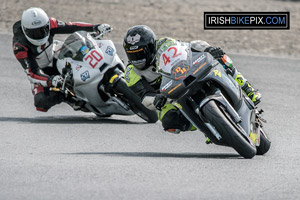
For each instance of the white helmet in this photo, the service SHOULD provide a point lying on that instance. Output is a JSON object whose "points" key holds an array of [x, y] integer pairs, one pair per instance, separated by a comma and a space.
{"points": [[35, 26]]}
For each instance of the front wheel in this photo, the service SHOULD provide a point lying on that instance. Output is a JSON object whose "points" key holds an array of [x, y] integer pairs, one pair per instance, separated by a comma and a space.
{"points": [[134, 102], [264, 144], [230, 134]]}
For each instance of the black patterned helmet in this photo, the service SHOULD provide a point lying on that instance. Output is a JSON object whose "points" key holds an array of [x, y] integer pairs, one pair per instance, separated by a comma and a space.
{"points": [[139, 45]]}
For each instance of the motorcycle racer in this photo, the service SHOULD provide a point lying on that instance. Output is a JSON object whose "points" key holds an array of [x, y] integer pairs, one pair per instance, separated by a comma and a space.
{"points": [[35, 48], [144, 50]]}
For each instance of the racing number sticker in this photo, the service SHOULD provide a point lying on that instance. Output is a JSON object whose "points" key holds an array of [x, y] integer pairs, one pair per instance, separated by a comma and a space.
{"points": [[217, 73], [166, 59], [94, 58]]}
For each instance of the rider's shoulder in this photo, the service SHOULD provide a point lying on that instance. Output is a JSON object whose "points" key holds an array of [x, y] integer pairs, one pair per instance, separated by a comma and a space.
{"points": [[19, 41], [165, 42], [17, 29]]}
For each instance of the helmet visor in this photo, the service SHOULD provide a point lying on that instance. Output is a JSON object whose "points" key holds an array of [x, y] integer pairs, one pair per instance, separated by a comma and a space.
{"points": [[37, 33], [137, 57]]}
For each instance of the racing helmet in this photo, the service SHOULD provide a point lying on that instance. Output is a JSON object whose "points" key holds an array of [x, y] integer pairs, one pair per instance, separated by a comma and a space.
{"points": [[139, 45], [35, 25]]}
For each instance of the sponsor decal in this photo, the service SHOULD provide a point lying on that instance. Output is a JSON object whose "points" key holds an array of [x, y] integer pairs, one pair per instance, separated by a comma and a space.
{"points": [[85, 75], [174, 88], [36, 22], [160, 42], [133, 39], [127, 74], [166, 86], [199, 68], [133, 47], [109, 51], [34, 13], [78, 67], [180, 71], [84, 50], [199, 59]]}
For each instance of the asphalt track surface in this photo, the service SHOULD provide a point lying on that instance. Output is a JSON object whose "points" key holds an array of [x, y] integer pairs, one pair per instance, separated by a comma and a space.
{"points": [[63, 154]]}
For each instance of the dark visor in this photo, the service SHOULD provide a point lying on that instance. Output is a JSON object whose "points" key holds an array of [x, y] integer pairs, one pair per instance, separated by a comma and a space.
{"points": [[136, 55], [37, 33]]}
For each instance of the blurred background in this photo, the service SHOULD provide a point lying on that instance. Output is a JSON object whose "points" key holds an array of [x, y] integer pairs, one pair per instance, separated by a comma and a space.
{"points": [[180, 19]]}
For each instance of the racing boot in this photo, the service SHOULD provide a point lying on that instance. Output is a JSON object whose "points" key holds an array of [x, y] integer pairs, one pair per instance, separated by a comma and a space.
{"points": [[252, 93]]}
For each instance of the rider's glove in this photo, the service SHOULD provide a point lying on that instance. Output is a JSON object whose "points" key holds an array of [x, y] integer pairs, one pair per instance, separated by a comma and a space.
{"points": [[216, 52], [102, 29], [56, 81], [159, 101]]}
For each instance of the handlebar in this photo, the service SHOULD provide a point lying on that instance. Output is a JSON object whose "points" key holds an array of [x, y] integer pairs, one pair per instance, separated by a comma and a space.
{"points": [[99, 36]]}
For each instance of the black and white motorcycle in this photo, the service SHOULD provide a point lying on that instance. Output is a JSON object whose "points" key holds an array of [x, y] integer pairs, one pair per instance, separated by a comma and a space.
{"points": [[93, 74], [211, 100]]}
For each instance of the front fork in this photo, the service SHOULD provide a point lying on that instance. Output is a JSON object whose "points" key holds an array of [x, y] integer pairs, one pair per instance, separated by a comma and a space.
{"points": [[256, 127]]}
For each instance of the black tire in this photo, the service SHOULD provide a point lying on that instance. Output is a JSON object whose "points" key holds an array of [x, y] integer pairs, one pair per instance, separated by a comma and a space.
{"points": [[230, 134], [134, 102], [265, 143]]}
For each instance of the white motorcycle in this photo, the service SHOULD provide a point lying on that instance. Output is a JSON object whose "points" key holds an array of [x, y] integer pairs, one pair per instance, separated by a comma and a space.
{"points": [[93, 74]]}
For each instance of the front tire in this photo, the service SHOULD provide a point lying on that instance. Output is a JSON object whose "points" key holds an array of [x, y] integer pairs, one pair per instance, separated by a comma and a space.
{"points": [[134, 102], [265, 143], [230, 134]]}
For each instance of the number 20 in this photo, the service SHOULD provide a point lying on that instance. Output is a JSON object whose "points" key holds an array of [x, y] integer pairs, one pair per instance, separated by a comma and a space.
{"points": [[94, 58]]}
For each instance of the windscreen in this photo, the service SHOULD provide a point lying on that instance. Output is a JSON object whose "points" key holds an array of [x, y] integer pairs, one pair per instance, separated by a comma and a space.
{"points": [[76, 46], [171, 57]]}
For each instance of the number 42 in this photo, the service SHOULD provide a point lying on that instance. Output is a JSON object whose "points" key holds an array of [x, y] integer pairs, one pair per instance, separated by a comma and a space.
{"points": [[166, 59]]}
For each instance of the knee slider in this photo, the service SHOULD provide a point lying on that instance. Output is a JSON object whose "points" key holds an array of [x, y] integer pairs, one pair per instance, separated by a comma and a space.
{"points": [[39, 100], [174, 119]]}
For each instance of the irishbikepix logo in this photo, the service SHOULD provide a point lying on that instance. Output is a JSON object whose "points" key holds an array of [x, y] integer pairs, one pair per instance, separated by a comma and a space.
{"points": [[246, 20]]}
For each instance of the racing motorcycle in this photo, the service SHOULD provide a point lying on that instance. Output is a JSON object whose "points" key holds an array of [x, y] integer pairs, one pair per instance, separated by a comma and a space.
{"points": [[93, 77], [199, 86]]}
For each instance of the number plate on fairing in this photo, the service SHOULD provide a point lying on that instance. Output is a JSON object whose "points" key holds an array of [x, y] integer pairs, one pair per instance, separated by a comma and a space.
{"points": [[171, 56], [93, 58]]}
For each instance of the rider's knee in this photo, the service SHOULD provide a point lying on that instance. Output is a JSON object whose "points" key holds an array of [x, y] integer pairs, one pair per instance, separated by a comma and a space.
{"points": [[174, 119], [39, 102]]}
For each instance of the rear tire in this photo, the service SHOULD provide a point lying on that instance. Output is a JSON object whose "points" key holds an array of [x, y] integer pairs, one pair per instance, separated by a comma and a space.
{"points": [[230, 134], [265, 143], [134, 102]]}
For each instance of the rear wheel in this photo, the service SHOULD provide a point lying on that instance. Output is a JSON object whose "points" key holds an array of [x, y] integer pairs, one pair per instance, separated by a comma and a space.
{"points": [[134, 102], [231, 135]]}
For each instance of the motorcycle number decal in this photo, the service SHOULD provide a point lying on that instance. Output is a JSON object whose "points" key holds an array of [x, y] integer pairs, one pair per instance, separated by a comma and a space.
{"points": [[94, 57], [217, 73], [166, 58], [172, 56]]}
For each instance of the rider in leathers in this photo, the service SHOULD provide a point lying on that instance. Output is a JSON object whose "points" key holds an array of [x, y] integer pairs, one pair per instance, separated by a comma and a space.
{"points": [[141, 75], [35, 48]]}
